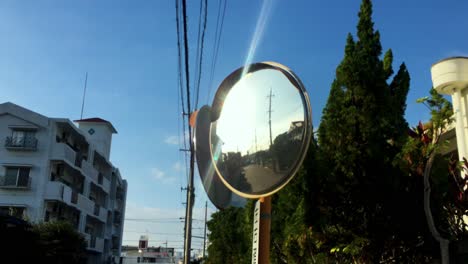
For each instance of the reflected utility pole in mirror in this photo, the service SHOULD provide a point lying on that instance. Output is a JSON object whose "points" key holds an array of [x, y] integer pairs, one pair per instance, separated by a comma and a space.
{"points": [[269, 115], [253, 165]]}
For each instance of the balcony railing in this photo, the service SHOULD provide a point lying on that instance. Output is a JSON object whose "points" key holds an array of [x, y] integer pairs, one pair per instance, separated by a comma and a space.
{"points": [[85, 204], [56, 190], [15, 183], [62, 151], [21, 143], [94, 243], [89, 171], [106, 184]]}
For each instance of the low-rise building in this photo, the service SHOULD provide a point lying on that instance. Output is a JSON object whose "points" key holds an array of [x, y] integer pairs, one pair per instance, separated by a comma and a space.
{"points": [[134, 254], [51, 169]]}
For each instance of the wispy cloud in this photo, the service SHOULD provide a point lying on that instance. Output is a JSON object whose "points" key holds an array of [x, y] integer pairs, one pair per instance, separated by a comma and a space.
{"points": [[176, 140], [161, 176], [178, 166], [172, 140]]}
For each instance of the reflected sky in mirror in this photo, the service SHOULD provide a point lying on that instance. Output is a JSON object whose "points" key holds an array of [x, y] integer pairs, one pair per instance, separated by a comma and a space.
{"points": [[259, 133]]}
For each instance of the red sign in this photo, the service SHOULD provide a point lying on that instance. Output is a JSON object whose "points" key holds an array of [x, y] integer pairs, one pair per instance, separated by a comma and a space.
{"points": [[143, 244]]}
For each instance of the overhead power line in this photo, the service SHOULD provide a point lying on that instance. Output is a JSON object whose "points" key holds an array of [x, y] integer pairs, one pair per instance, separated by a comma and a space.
{"points": [[200, 50], [219, 30], [181, 82], [197, 59], [179, 68]]}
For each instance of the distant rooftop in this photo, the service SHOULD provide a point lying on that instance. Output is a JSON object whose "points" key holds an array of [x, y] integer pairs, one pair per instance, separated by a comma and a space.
{"points": [[97, 120]]}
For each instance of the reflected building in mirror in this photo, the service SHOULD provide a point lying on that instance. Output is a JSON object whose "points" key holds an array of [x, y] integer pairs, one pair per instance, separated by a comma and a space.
{"points": [[296, 130], [286, 147]]}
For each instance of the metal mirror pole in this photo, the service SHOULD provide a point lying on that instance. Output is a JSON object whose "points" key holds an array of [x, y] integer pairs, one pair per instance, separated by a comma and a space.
{"points": [[264, 233]]}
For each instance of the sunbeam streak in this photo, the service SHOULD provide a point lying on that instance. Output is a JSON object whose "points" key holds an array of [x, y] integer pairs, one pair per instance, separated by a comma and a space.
{"points": [[259, 29]]}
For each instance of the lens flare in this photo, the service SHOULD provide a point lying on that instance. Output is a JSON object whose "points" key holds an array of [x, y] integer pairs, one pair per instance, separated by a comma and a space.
{"points": [[258, 34]]}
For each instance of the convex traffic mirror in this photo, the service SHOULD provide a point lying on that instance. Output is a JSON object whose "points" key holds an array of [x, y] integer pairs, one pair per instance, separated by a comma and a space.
{"points": [[219, 195], [260, 129]]}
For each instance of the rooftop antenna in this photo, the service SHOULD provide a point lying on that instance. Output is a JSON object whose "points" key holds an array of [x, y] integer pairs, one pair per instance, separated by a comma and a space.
{"points": [[84, 95]]}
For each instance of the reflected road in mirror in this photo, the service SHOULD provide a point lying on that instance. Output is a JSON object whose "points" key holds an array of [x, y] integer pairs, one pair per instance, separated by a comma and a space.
{"points": [[258, 136]]}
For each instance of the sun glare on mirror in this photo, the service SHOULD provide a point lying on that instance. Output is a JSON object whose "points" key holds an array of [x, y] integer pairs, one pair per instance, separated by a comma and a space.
{"points": [[238, 118]]}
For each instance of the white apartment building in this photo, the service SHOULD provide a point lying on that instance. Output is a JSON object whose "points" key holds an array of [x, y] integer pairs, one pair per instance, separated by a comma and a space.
{"points": [[51, 169]]}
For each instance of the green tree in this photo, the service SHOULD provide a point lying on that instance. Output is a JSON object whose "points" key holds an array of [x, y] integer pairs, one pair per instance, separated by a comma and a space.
{"points": [[60, 243], [17, 241], [230, 235], [362, 131], [423, 159], [295, 209], [51, 242]]}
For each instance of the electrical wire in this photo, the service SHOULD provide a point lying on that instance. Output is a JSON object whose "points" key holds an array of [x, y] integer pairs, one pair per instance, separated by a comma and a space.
{"points": [[200, 63], [216, 45], [178, 131], [197, 59], [181, 85], [179, 68]]}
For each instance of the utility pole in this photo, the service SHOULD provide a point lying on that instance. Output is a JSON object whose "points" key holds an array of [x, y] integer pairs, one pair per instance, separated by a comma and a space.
{"points": [[188, 215], [256, 146], [269, 115], [191, 189], [204, 234]]}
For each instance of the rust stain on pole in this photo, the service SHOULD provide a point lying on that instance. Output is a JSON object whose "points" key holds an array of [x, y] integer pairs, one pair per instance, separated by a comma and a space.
{"points": [[265, 223]]}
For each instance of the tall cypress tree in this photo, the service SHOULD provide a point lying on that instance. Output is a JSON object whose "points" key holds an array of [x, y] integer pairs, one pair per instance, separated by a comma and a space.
{"points": [[361, 132]]}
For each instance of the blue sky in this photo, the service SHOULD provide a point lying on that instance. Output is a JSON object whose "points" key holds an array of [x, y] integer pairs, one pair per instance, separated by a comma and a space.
{"points": [[129, 50]]}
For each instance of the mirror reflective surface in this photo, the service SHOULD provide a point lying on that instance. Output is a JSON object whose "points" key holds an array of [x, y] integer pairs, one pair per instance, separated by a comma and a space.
{"points": [[217, 192], [258, 138]]}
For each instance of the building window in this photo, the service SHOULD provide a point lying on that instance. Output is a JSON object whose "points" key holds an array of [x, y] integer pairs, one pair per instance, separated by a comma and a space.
{"points": [[21, 135], [18, 176], [22, 139]]}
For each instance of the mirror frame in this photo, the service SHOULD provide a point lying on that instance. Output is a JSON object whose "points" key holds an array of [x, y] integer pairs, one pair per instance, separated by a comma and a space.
{"points": [[217, 105], [220, 195]]}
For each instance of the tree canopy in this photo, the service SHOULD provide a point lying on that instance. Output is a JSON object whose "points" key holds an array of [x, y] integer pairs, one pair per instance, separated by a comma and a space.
{"points": [[51, 242], [359, 196]]}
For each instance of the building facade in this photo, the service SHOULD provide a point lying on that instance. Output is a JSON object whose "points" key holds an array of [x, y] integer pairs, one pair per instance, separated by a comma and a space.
{"points": [[134, 255], [50, 169]]}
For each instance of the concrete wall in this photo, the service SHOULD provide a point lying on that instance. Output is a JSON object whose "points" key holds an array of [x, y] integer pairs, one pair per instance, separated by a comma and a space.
{"points": [[101, 138]]}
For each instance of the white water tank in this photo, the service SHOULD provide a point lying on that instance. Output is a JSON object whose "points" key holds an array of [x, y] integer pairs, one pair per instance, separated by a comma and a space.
{"points": [[450, 74]]}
